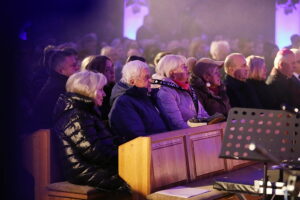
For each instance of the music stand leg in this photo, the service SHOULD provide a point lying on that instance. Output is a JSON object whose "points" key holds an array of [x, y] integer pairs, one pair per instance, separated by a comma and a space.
{"points": [[265, 180]]}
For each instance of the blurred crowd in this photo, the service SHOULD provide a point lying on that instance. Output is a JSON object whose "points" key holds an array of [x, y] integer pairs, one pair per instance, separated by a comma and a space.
{"points": [[95, 95]]}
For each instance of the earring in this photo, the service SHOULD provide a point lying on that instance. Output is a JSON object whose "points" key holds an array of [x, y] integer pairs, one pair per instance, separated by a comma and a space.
{"points": [[208, 84]]}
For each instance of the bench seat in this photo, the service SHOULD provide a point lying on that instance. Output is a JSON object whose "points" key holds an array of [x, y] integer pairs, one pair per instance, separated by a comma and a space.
{"points": [[65, 190]]}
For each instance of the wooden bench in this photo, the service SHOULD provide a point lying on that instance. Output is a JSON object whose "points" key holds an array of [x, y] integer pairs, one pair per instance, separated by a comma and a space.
{"points": [[159, 161], [40, 161], [147, 164]]}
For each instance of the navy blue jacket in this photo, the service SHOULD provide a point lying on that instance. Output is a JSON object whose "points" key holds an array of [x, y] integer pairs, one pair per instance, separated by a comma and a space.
{"points": [[45, 102], [134, 114]]}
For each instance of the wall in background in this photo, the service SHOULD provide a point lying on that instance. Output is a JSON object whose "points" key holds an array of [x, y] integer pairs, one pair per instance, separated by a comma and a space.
{"points": [[286, 25]]}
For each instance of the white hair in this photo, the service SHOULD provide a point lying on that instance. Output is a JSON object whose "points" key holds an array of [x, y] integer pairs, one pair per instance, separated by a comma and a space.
{"points": [[86, 83], [219, 48], [132, 70], [295, 51], [169, 63]]}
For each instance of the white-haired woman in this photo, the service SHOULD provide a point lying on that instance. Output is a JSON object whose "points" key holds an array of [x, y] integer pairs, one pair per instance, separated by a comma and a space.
{"points": [[135, 113], [89, 153], [257, 77], [176, 99]]}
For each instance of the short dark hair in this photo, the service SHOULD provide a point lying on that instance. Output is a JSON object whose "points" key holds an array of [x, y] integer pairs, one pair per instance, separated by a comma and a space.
{"points": [[97, 64], [132, 58], [59, 56]]}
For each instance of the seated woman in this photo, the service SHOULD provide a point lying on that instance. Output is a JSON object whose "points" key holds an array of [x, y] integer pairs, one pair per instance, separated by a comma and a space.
{"points": [[176, 99], [104, 65], [256, 79], [89, 153], [206, 80], [135, 113]]}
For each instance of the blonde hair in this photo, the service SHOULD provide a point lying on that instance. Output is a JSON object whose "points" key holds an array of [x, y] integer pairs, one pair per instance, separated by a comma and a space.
{"points": [[86, 83], [257, 67], [85, 62], [169, 63]]}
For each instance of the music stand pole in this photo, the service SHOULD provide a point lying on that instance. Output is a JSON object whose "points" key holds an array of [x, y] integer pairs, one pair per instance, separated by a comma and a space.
{"points": [[274, 132], [265, 180]]}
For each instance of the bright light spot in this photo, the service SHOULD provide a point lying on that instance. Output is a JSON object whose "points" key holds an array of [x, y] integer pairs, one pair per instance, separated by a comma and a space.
{"points": [[133, 19], [286, 25]]}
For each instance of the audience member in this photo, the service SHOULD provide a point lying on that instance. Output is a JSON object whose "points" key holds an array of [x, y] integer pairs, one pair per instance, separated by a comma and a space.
{"points": [[206, 81], [135, 113], [156, 59], [279, 80], [257, 77], [146, 34], [41, 75], [190, 63], [295, 42], [88, 150], [132, 58], [219, 50], [63, 64], [198, 48], [245, 47], [104, 65], [114, 56], [239, 92], [297, 63], [296, 79], [176, 99], [88, 45], [269, 52]]}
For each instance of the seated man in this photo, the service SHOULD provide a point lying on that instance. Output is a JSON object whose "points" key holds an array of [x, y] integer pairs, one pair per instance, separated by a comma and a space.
{"points": [[296, 79], [63, 64], [279, 80], [239, 92], [135, 113]]}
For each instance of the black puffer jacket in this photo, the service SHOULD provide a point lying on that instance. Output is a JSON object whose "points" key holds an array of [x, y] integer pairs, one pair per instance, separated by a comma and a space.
{"points": [[89, 154]]}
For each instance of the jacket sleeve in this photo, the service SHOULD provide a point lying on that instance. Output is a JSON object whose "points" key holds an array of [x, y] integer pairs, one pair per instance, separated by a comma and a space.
{"points": [[125, 120], [201, 111], [167, 103], [91, 139]]}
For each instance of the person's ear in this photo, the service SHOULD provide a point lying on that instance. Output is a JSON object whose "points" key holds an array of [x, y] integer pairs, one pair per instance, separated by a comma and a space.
{"points": [[206, 77], [172, 76], [231, 70], [132, 81]]}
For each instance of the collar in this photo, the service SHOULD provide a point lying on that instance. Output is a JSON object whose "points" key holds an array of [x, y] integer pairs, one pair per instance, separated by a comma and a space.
{"points": [[185, 86], [296, 75]]}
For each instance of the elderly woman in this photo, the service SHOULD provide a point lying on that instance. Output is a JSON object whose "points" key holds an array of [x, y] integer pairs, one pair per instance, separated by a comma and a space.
{"points": [[176, 99], [89, 154], [135, 112], [206, 80], [104, 65], [257, 77]]}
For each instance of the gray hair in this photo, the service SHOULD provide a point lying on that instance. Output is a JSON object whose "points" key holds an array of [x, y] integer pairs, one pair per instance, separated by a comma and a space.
{"points": [[169, 63], [132, 70], [86, 83], [217, 48]]}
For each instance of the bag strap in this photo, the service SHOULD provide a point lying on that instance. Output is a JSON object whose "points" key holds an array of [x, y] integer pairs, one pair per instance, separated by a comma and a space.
{"points": [[191, 92]]}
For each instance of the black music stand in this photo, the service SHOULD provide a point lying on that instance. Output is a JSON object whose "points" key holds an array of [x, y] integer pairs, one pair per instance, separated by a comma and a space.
{"points": [[278, 132]]}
